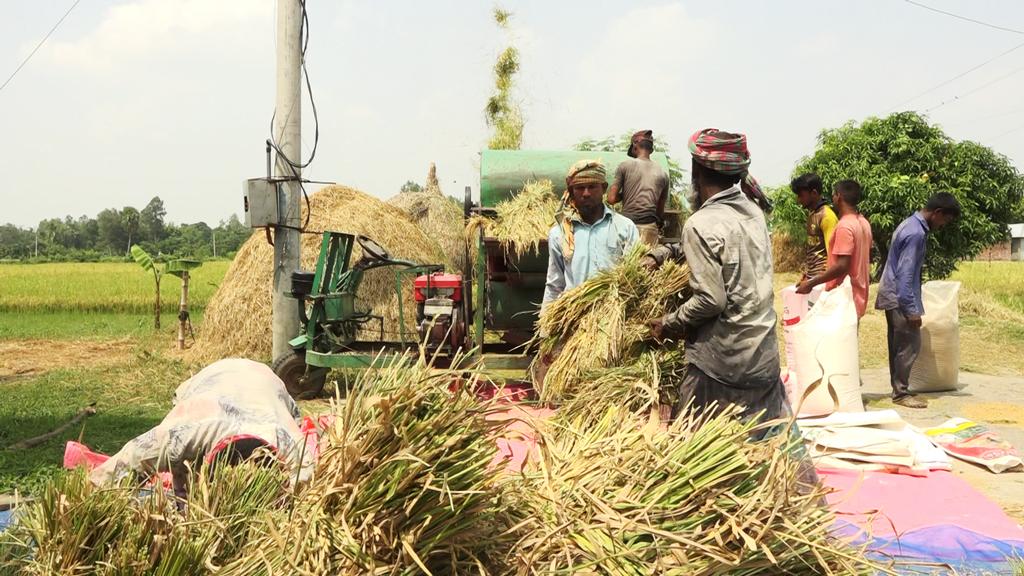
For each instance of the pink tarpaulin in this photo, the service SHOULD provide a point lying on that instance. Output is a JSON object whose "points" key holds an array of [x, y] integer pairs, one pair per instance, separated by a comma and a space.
{"points": [[893, 504], [518, 441]]}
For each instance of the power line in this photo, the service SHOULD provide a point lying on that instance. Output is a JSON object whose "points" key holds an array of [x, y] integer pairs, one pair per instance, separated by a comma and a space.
{"points": [[1007, 133], [926, 7], [972, 91], [38, 46], [958, 76]]}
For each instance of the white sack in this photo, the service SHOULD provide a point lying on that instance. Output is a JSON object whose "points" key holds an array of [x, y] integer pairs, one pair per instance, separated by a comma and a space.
{"points": [[825, 347], [938, 366]]}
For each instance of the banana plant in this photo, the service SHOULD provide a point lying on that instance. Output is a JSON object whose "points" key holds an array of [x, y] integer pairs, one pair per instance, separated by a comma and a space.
{"points": [[178, 267]]}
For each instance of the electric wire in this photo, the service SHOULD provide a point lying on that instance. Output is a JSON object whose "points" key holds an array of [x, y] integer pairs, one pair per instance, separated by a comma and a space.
{"points": [[38, 46], [958, 16], [1007, 133], [973, 90], [958, 76], [292, 165]]}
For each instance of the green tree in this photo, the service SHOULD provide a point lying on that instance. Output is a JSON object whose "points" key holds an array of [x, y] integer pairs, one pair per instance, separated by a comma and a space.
{"points": [[15, 242], [231, 234], [110, 230], [678, 182], [131, 219], [901, 160], [151, 220], [410, 186]]}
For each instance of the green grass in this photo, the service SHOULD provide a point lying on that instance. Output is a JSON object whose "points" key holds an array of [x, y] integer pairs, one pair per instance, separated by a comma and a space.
{"points": [[130, 399], [1002, 281], [86, 325], [99, 287]]}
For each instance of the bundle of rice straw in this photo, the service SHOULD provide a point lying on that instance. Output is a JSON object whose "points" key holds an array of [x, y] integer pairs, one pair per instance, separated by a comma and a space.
{"points": [[404, 485], [614, 496], [440, 218], [74, 527], [523, 221], [641, 386], [604, 321], [236, 321]]}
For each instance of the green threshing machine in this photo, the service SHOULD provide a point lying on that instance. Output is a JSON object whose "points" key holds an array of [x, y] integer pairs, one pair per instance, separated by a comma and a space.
{"points": [[497, 293]]}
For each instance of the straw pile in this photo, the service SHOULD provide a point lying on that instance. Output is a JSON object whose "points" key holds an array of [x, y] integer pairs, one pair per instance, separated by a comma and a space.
{"points": [[612, 496], [440, 218], [404, 486], [237, 318], [641, 385], [787, 253], [76, 528], [604, 322], [523, 221]]}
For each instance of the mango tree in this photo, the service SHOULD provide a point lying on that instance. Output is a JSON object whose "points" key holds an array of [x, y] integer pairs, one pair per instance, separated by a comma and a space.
{"points": [[901, 160]]}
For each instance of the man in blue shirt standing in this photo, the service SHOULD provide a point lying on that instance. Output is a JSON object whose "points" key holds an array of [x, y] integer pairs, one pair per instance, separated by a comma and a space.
{"points": [[589, 236], [899, 293]]}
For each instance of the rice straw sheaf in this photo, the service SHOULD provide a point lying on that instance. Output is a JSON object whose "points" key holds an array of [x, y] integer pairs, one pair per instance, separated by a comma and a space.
{"points": [[237, 320], [404, 485], [523, 221], [440, 218], [613, 496], [74, 527], [639, 386], [603, 322]]}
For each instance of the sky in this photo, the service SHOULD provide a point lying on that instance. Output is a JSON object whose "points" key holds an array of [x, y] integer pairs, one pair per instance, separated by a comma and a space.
{"points": [[131, 99]]}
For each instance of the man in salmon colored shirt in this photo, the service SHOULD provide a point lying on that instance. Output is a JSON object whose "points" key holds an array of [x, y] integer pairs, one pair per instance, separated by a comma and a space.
{"points": [[849, 251]]}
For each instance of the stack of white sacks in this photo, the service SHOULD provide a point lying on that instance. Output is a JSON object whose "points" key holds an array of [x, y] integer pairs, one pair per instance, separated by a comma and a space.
{"points": [[823, 381]]}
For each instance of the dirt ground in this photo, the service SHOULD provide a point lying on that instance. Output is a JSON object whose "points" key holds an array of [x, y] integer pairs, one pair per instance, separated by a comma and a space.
{"points": [[27, 357], [997, 401]]}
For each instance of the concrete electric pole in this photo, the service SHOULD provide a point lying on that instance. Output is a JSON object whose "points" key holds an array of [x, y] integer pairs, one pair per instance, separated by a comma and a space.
{"points": [[287, 132]]}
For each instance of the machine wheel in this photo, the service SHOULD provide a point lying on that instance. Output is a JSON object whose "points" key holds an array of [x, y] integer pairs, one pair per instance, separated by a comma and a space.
{"points": [[301, 384]]}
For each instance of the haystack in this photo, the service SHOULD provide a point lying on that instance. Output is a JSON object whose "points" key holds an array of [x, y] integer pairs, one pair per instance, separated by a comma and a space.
{"points": [[237, 318], [439, 217]]}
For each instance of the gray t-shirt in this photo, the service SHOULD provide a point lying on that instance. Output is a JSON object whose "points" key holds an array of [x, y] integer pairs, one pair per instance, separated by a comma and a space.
{"points": [[642, 183]]}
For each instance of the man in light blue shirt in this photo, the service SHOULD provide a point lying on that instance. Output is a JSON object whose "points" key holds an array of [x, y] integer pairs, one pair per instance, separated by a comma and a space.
{"points": [[589, 236], [899, 293]]}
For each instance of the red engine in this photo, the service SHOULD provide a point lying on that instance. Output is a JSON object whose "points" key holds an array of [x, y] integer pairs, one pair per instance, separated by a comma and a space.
{"points": [[439, 315]]}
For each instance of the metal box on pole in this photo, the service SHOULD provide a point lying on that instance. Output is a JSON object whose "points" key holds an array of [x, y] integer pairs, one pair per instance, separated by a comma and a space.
{"points": [[261, 203]]}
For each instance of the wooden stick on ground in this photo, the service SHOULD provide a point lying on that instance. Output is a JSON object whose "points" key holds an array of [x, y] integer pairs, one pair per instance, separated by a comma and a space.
{"points": [[37, 440]]}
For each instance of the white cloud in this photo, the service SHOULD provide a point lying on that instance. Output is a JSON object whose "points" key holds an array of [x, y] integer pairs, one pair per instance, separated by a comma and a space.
{"points": [[644, 52], [141, 31]]}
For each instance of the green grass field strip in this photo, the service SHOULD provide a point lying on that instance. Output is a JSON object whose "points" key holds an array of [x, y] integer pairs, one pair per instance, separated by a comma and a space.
{"points": [[99, 287]]}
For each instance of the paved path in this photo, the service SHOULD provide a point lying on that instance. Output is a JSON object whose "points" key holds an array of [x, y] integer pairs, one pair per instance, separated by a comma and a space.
{"points": [[997, 401]]}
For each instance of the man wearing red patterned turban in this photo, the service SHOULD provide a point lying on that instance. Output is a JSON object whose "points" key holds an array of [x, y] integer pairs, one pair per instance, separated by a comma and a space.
{"points": [[729, 322]]}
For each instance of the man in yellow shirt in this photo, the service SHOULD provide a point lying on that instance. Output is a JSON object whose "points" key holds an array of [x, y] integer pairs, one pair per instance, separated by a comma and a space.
{"points": [[821, 221]]}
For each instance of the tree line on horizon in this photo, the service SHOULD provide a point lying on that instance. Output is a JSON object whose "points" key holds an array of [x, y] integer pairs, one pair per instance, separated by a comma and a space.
{"points": [[110, 234]]}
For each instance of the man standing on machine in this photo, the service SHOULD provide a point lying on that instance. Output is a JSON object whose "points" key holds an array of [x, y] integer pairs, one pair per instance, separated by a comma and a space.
{"points": [[641, 184]]}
